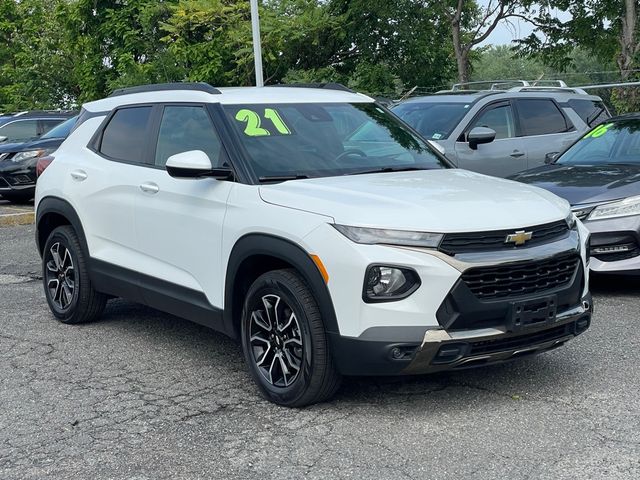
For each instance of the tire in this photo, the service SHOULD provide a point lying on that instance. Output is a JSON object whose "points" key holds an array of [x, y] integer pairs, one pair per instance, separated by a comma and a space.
{"points": [[299, 340], [65, 278]]}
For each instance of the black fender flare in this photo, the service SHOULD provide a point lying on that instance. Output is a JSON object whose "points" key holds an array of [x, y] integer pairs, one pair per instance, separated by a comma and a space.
{"points": [[60, 207], [289, 252]]}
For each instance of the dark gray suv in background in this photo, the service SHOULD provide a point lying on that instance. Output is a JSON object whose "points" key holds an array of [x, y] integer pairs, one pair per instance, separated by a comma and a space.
{"points": [[501, 132]]}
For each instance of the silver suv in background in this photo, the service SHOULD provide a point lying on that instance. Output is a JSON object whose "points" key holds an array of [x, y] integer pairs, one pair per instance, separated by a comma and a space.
{"points": [[503, 132]]}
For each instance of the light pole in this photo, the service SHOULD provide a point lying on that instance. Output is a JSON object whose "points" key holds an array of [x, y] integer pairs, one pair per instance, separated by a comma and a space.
{"points": [[257, 46]]}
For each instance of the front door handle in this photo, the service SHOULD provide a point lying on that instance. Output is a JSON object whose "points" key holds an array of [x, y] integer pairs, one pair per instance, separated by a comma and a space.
{"points": [[79, 175], [149, 187], [517, 154]]}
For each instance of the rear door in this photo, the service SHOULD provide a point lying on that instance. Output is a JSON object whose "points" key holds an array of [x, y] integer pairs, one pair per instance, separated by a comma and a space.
{"points": [[106, 183], [179, 221], [502, 157], [543, 128]]}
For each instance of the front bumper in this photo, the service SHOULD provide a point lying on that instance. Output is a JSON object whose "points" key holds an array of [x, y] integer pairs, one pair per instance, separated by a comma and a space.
{"points": [[439, 350]]}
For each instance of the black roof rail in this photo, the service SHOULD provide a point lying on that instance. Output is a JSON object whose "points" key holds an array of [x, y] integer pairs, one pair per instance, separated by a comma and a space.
{"points": [[326, 86], [156, 87]]}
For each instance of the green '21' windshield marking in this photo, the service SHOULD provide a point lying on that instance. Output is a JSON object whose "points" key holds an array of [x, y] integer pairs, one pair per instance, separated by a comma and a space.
{"points": [[254, 126]]}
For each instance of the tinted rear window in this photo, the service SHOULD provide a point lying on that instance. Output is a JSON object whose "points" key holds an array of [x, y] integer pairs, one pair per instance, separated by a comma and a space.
{"points": [[591, 112], [541, 117], [123, 138]]}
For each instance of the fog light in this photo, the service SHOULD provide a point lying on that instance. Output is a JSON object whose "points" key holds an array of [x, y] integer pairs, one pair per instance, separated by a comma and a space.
{"points": [[385, 283]]}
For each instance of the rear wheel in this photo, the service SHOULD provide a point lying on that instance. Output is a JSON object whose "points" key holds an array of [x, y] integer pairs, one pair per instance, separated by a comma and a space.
{"points": [[65, 275], [284, 341]]}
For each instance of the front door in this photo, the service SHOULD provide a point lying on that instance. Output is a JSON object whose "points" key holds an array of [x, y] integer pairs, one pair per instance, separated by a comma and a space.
{"points": [[179, 221], [502, 157]]}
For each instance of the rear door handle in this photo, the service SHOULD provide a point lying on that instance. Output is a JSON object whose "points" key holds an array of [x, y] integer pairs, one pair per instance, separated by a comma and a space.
{"points": [[149, 187], [517, 154], [79, 175]]}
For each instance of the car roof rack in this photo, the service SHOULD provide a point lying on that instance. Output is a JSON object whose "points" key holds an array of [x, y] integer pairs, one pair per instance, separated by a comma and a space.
{"points": [[508, 85], [157, 87], [326, 86], [575, 90]]}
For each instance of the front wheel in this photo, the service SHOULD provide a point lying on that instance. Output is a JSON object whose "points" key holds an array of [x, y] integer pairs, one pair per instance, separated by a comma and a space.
{"points": [[284, 341]]}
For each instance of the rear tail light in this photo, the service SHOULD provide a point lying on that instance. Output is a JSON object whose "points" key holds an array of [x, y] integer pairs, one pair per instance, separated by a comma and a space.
{"points": [[43, 162]]}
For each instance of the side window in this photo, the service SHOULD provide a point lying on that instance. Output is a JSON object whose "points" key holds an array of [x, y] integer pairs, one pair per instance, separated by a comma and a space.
{"points": [[540, 116], [500, 119], [185, 128], [124, 136], [46, 125], [19, 131]]}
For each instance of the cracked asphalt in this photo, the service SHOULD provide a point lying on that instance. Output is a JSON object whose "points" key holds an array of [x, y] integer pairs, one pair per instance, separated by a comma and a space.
{"points": [[144, 395]]}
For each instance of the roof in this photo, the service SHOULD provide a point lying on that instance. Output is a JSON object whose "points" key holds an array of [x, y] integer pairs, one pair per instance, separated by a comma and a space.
{"points": [[458, 97], [232, 96], [626, 116]]}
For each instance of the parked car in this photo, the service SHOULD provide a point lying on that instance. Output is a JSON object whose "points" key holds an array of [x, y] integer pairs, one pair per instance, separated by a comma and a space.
{"points": [[498, 132], [24, 126], [19, 162], [312, 225], [600, 176]]}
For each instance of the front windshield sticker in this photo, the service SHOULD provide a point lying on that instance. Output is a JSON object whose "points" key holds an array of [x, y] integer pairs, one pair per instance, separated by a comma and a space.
{"points": [[255, 127], [599, 131]]}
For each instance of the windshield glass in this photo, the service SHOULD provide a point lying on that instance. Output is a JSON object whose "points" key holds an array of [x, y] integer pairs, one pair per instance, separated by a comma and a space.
{"points": [[62, 130], [607, 144], [433, 120], [319, 140]]}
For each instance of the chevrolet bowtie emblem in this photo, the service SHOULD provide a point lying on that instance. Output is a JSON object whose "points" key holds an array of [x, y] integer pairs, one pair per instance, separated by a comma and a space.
{"points": [[519, 238]]}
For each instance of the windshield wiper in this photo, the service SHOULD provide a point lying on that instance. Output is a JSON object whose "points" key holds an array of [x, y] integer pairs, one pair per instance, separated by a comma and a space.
{"points": [[388, 170], [281, 178]]}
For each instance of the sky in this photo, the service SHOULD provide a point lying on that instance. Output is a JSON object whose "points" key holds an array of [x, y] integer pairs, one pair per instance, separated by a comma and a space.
{"points": [[505, 33]]}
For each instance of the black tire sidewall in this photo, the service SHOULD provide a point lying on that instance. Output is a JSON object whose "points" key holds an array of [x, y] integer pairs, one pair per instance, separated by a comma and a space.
{"points": [[61, 235], [277, 285]]}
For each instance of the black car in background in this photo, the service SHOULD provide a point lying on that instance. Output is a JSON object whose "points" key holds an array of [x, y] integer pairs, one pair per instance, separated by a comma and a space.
{"points": [[23, 126], [18, 162], [599, 176]]}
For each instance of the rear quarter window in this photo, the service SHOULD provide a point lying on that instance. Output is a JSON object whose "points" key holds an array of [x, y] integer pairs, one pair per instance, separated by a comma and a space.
{"points": [[591, 112]]}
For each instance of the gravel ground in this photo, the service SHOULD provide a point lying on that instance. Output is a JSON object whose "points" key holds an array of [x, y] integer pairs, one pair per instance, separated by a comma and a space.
{"points": [[144, 395]]}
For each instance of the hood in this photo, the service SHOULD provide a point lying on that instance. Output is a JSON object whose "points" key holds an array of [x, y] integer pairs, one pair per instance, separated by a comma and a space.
{"points": [[585, 184], [31, 145], [450, 200]]}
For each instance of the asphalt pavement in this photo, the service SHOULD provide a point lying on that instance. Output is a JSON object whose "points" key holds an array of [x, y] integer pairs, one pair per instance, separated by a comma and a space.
{"points": [[144, 395]]}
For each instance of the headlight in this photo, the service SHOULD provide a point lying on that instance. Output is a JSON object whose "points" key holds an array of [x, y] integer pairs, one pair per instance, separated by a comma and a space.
{"points": [[372, 236], [384, 283], [22, 156], [624, 208]]}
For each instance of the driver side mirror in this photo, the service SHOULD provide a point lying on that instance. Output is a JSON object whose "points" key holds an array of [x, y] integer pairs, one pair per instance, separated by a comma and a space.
{"points": [[551, 157], [480, 135], [3, 139], [195, 164]]}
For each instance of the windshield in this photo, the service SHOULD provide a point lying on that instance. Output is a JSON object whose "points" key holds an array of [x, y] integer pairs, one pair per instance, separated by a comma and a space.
{"points": [[435, 120], [610, 143], [62, 130], [319, 140]]}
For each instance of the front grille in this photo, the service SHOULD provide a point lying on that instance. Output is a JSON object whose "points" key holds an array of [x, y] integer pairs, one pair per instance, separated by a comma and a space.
{"points": [[523, 278], [504, 344], [454, 243]]}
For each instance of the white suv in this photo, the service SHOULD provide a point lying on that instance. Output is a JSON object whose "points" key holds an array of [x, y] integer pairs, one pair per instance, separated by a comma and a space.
{"points": [[312, 225]]}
